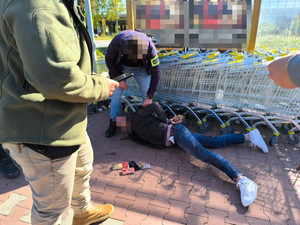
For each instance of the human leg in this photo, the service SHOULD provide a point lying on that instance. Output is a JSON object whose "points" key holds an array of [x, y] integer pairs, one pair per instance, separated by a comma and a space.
{"points": [[81, 196], [187, 141], [84, 211], [7, 166], [143, 80], [248, 188], [254, 137], [51, 182], [115, 105], [220, 141]]}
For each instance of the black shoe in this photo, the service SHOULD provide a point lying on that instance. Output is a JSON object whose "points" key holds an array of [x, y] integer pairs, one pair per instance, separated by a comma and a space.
{"points": [[8, 168], [134, 165], [112, 129]]}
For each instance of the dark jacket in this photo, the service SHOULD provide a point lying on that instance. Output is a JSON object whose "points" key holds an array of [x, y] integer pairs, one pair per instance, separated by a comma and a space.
{"points": [[148, 127], [114, 55]]}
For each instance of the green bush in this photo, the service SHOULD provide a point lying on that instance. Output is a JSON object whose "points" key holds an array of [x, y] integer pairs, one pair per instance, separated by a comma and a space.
{"points": [[100, 53], [277, 41]]}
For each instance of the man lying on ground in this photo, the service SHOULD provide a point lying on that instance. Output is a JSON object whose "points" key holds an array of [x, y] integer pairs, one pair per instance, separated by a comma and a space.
{"points": [[160, 131]]}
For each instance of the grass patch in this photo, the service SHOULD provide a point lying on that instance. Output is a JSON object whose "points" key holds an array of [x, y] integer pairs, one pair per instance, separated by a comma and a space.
{"points": [[104, 38], [101, 66], [277, 42], [101, 52]]}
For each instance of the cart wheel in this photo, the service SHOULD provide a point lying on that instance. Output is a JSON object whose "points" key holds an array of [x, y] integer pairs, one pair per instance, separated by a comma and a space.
{"points": [[293, 139], [285, 128], [230, 129], [273, 140], [201, 128], [207, 125]]}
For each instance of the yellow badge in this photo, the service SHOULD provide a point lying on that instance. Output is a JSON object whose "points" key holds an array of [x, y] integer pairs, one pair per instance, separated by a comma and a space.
{"points": [[155, 61]]}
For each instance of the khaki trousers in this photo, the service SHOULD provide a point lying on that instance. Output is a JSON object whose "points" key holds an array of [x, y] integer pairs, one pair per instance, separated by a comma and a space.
{"points": [[55, 183]]}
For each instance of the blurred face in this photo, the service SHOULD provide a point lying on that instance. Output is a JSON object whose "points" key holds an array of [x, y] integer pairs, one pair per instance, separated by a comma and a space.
{"points": [[123, 123], [135, 48]]}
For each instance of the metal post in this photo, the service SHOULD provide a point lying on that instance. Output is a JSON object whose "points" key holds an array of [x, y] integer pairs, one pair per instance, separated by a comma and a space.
{"points": [[130, 15], [254, 24], [90, 28]]}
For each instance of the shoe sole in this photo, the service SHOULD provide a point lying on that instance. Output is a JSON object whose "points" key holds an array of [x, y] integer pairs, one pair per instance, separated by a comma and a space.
{"points": [[102, 218], [13, 175]]}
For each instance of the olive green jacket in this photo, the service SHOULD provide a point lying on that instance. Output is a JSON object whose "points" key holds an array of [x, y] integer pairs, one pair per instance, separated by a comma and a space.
{"points": [[45, 75], [293, 68]]}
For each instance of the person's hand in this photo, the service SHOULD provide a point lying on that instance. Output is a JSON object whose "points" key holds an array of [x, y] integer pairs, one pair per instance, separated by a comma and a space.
{"points": [[147, 102], [176, 119], [123, 85], [112, 86], [278, 72]]}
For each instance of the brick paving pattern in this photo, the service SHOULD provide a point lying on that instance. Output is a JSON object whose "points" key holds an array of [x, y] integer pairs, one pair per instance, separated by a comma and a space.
{"points": [[178, 189]]}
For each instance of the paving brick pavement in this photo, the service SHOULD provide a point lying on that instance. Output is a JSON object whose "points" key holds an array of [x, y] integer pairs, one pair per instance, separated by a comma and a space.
{"points": [[178, 189]]}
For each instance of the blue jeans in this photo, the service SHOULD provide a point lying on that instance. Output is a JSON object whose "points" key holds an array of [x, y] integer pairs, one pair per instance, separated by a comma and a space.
{"points": [[143, 80], [196, 145]]}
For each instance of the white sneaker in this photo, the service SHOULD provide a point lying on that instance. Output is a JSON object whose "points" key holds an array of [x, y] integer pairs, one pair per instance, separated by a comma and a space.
{"points": [[248, 190], [257, 140]]}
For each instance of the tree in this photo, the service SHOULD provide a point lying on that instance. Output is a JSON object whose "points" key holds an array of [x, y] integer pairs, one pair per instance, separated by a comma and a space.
{"points": [[295, 27], [102, 6], [98, 9], [98, 12], [267, 29], [115, 8], [105, 9]]}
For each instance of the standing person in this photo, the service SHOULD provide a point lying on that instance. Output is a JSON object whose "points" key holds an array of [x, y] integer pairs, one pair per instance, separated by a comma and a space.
{"points": [[46, 84], [160, 131], [7, 166], [285, 71], [132, 52]]}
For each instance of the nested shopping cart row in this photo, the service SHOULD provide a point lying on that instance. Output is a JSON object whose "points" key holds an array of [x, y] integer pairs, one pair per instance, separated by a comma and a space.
{"points": [[229, 89]]}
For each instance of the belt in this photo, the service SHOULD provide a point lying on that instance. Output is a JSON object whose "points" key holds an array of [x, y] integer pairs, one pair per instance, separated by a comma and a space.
{"points": [[130, 64], [53, 152]]}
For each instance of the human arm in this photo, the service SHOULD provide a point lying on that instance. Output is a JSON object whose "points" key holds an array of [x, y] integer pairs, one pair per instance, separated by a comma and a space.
{"points": [[54, 60], [153, 63], [153, 108], [285, 71], [112, 56], [176, 119], [112, 86], [112, 83], [147, 101]]}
